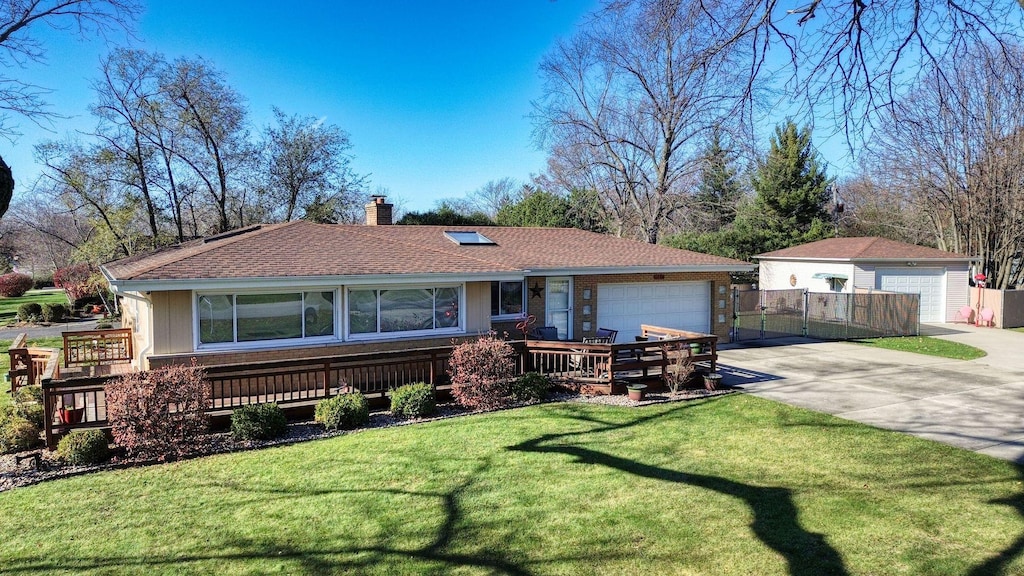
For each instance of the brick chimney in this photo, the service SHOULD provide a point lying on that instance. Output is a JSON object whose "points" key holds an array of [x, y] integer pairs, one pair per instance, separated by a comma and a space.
{"points": [[378, 212]]}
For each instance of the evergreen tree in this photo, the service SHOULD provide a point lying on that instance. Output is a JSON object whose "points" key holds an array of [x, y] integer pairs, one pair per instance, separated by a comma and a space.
{"points": [[791, 193], [535, 208], [719, 190]]}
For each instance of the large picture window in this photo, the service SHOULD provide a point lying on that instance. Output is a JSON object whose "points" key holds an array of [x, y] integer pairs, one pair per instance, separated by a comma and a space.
{"points": [[230, 318], [507, 298], [393, 310]]}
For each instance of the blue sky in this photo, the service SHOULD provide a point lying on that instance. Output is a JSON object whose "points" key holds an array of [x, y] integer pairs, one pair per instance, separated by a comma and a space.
{"points": [[435, 95]]}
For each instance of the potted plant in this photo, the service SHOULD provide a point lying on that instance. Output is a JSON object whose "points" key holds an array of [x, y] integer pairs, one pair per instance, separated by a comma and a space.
{"points": [[712, 381], [71, 415], [636, 391]]}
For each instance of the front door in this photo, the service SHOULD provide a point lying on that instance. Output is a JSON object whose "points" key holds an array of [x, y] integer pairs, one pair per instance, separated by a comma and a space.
{"points": [[558, 305]]}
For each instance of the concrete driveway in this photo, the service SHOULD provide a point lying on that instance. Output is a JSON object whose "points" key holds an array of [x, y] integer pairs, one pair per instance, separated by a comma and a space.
{"points": [[977, 404]]}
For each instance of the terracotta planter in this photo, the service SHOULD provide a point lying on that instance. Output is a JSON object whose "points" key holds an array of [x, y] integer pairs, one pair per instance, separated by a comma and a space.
{"points": [[636, 392], [71, 415], [712, 381]]}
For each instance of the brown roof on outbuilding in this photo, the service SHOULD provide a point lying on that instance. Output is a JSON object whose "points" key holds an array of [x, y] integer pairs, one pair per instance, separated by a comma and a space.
{"points": [[305, 249], [861, 248]]}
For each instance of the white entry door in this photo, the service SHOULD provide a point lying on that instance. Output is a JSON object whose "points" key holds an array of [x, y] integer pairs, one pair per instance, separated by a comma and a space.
{"points": [[558, 305]]}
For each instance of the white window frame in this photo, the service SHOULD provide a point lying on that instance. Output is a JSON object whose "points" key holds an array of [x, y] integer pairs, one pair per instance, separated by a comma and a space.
{"points": [[377, 336], [523, 304], [198, 345]]}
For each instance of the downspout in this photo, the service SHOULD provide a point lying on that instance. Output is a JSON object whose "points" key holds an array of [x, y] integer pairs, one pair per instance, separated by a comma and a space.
{"points": [[145, 352]]}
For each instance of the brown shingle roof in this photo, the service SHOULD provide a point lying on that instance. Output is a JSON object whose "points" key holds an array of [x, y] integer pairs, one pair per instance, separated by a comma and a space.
{"points": [[864, 248], [306, 249]]}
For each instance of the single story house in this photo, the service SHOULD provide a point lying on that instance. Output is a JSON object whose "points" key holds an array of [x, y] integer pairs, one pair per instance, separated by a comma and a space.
{"points": [[872, 263], [300, 289]]}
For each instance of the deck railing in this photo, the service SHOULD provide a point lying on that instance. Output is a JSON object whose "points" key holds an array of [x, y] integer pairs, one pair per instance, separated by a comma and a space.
{"points": [[98, 347], [306, 380], [604, 366], [287, 382], [31, 365]]}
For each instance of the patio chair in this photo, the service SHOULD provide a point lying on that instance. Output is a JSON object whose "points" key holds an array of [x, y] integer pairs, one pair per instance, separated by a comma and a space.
{"points": [[607, 333], [986, 316], [964, 314], [544, 333]]}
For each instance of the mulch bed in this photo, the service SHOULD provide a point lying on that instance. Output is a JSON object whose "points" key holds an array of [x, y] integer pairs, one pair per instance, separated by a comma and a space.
{"points": [[14, 475]]}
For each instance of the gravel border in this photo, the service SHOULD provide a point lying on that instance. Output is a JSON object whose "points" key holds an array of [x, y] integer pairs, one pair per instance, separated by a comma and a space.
{"points": [[51, 468]]}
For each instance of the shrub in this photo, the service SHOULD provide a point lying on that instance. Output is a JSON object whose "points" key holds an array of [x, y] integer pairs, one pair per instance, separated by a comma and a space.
{"points": [[17, 434], [76, 280], [413, 400], [343, 411], [137, 407], [84, 447], [103, 325], [40, 282], [54, 312], [15, 284], [482, 372], [258, 422], [680, 369], [531, 387], [29, 394], [31, 411], [30, 312]]}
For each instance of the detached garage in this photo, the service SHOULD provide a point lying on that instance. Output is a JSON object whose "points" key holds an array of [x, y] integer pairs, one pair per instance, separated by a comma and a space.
{"points": [[872, 263], [624, 307]]}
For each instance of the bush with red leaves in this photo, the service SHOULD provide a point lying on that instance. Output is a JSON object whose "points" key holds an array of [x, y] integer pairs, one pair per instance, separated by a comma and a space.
{"points": [[76, 281], [14, 284], [161, 413], [483, 373]]}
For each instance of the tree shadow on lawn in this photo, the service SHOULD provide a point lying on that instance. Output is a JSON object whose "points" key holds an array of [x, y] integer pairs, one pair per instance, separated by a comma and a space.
{"points": [[776, 522], [321, 560], [998, 563]]}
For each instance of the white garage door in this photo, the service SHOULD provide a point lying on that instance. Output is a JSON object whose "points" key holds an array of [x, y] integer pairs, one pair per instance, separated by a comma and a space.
{"points": [[924, 281], [624, 307]]}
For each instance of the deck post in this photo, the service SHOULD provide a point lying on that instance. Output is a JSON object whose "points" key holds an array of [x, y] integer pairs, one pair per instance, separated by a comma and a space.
{"points": [[327, 379], [48, 417]]}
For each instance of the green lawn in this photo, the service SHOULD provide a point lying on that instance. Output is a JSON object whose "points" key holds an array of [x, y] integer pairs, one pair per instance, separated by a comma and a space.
{"points": [[734, 485], [1017, 329], [926, 345], [9, 306]]}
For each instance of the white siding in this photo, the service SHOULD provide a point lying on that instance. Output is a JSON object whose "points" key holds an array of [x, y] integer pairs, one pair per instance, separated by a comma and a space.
{"points": [[957, 291], [775, 275], [864, 276]]}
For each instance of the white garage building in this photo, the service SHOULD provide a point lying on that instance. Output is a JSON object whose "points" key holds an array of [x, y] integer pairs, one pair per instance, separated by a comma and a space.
{"points": [[872, 263]]}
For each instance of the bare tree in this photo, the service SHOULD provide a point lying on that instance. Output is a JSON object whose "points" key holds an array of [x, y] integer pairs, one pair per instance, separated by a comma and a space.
{"points": [[215, 141], [956, 144], [627, 101], [493, 196], [307, 165], [853, 60], [18, 46], [125, 96]]}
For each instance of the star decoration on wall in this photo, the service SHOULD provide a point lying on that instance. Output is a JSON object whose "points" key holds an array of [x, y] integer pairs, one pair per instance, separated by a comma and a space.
{"points": [[536, 290]]}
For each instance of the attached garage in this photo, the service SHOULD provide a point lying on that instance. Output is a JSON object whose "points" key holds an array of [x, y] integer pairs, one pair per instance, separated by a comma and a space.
{"points": [[928, 282], [624, 307]]}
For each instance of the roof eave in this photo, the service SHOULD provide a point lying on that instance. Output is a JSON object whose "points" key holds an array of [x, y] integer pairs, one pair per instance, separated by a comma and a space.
{"points": [[576, 271], [160, 285], [865, 259]]}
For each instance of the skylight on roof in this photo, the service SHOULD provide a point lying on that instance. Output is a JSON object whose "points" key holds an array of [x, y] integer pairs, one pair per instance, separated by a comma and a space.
{"points": [[468, 238]]}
